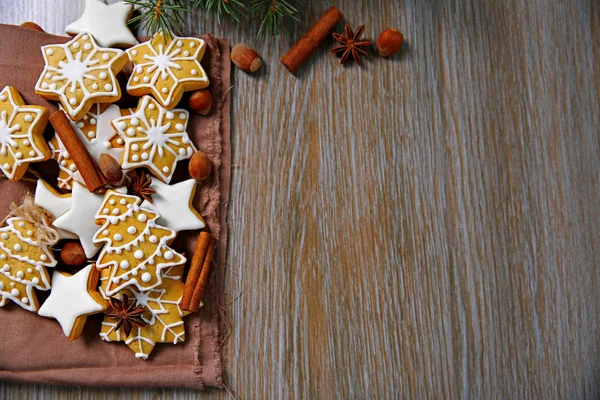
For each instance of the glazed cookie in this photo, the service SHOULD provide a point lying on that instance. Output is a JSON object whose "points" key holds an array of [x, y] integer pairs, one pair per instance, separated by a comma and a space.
{"points": [[164, 319], [72, 299], [23, 263], [96, 134], [155, 138], [166, 67], [106, 22], [79, 74], [136, 248], [174, 205], [53, 202], [21, 134]]}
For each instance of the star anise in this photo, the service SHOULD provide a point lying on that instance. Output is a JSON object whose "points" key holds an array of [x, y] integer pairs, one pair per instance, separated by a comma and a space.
{"points": [[351, 45], [128, 315], [140, 186]]}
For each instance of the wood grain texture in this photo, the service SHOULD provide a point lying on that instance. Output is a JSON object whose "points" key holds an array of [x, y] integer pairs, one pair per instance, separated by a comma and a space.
{"points": [[423, 227]]}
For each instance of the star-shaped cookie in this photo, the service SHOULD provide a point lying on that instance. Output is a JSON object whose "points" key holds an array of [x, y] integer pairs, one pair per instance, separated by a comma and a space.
{"points": [[72, 299], [79, 74], [174, 205], [155, 138], [166, 67], [21, 134], [106, 23]]}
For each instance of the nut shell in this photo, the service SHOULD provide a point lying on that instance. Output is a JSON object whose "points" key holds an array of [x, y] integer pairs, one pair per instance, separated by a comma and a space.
{"points": [[110, 168], [245, 58], [389, 42], [72, 254], [200, 166], [201, 101]]}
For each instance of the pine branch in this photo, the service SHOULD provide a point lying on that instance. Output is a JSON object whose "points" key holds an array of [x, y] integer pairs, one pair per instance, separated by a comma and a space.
{"points": [[164, 16], [233, 8], [275, 13]]}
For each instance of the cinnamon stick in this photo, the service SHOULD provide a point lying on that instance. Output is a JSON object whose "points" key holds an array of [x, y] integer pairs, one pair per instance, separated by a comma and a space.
{"points": [[315, 37], [204, 240], [90, 173], [199, 289]]}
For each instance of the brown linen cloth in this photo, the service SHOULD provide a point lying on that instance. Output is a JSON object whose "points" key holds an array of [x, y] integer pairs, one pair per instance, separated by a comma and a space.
{"points": [[33, 348]]}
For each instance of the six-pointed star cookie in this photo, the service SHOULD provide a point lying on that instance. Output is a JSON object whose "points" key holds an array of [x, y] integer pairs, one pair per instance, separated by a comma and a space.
{"points": [[79, 74], [21, 134], [72, 299], [166, 67], [155, 138], [174, 205], [106, 23]]}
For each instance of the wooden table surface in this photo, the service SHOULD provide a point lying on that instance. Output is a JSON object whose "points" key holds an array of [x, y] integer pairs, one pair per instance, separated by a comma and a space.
{"points": [[425, 226]]}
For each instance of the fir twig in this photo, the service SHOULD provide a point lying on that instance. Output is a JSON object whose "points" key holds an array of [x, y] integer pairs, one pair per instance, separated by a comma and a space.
{"points": [[275, 13], [233, 8], [164, 16]]}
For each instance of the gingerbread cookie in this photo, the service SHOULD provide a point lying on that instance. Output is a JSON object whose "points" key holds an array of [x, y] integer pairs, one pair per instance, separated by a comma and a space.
{"points": [[137, 248], [155, 138], [106, 22], [164, 319], [72, 299], [53, 202], [21, 134], [79, 74], [174, 205], [166, 67], [96, 134], [23, 263]]}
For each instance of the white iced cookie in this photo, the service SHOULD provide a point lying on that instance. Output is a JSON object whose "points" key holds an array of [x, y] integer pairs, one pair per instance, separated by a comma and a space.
{"points": [[136, 248], [55, 203], [23, 263], [107, 23], [174, 205], [80, 219], [72, 299]]}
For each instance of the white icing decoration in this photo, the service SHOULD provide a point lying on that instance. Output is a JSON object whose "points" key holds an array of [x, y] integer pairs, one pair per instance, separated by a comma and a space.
{"points": [[70, 72], [146, 277], [70, 299], [80, 218], [108, 23], [139, 254], [172, 202], [163, 65], [131, 230]]}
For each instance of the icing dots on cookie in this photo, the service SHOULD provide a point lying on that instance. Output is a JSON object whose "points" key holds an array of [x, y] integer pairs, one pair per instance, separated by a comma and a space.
{"points": [[78, 74], [166, 67]]}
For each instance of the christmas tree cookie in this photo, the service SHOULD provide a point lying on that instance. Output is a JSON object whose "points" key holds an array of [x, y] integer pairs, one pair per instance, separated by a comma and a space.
{"points": [[79, 74], [136, 247], [21, 134], [23, 262], [166, 67], [163, 320], [155, 138]]}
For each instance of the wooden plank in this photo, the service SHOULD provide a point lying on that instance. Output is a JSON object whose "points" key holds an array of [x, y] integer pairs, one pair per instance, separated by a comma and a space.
{"points": [[422, 227]]}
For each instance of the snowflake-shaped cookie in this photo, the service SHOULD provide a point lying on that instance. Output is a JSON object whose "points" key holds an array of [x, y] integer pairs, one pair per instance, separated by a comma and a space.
{"points": [[97, 135], [79, 74], [167, 67], [21, 134], [164, 321], [155, 138]]}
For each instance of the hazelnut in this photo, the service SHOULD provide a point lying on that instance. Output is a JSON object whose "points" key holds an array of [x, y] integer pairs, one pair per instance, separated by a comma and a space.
{"points": [[110, 168], [32, 26], [245, 58], [389, 42], [201, 101], [200, 166], [72, 254]]}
